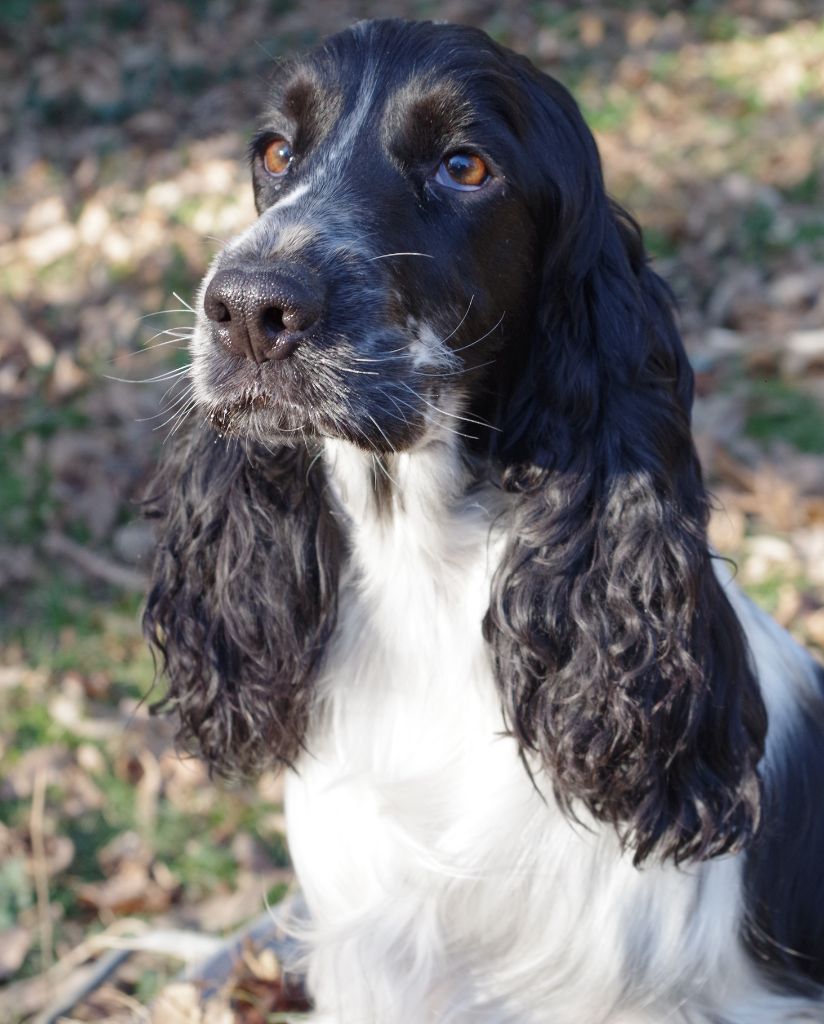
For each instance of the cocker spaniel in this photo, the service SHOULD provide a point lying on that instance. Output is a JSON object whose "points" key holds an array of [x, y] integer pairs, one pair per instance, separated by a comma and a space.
{"points": [[439, 549]]}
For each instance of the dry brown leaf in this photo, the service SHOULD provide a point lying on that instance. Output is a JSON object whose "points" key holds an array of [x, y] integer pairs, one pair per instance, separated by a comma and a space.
{"points": [[19, 781], [727, 528], [814, 626], [125, 848], [15, 943], [178, 1003], [59, 852], [788, 605], [227, 910], [263, 965], [810, 545], [130, 891]]}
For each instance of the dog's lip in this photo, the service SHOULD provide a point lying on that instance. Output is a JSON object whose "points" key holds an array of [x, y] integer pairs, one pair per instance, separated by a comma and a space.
{"points": [[247, 403], [238, 417], [229, 412]]}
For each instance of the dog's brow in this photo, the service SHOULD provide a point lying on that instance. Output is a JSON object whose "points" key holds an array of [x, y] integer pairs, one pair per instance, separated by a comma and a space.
{"points": [[299, 97], [426, 121], [309, 103]]}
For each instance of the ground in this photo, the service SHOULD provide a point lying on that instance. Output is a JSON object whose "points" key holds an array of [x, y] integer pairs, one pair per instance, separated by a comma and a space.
{"points": [[124, 129]]}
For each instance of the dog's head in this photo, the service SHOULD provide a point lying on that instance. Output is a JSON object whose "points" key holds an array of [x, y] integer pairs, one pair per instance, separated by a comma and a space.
{"points": [[434, 240], [407, 177]]}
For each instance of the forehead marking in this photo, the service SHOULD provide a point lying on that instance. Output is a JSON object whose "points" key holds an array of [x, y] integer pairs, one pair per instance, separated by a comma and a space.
{"points": [[349, 127]]}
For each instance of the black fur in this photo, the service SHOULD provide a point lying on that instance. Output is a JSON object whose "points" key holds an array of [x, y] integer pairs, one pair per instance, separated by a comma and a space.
{"points": [[619, 658], [784, 875], [244, 597]]}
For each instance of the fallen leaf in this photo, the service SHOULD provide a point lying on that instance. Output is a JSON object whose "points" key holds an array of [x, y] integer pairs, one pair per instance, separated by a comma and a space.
{"points": [[727, 528], [15, 943], [130, 891], [814, 626], [179, 1003], [59, 852]]}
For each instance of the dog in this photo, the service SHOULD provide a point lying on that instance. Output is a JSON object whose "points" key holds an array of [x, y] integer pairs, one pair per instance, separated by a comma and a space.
{"points": [[437, 546]]}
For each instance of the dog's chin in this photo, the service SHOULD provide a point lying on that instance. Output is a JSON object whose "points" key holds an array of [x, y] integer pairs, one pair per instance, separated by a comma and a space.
{"points": [[255, 415], [261, 418]]}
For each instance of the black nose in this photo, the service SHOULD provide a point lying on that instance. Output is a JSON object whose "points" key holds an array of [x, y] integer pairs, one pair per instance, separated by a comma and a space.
{"points": [[263, 314]]}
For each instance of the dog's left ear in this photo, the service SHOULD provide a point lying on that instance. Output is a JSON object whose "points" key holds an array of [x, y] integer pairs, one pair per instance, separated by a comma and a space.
{"points": [[620, 660]]}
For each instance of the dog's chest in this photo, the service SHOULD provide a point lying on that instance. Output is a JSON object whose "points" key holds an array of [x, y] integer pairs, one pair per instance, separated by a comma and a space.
{"points": [[408, 756], [408, 690]]}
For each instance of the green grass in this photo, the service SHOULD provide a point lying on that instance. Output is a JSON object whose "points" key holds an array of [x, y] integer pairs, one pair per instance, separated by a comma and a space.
{"points": [[61, 624], [755, 231], [14, 12], [767, 592], [810, 232], [660, 244], [807, 189], [30, 725], [610, 113], [150, 983], [15, 890], [779, 411]]}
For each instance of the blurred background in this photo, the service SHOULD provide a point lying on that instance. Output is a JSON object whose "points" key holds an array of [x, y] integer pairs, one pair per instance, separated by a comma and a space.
{"points": [[124, 126]]}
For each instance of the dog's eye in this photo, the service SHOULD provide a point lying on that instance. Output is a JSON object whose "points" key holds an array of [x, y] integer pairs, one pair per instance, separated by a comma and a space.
{"points": [[465, 171], [277, 156]]}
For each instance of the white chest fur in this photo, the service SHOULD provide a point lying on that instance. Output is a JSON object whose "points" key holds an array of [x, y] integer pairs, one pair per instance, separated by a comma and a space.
{"points": [[442, 886], [410, 727]]}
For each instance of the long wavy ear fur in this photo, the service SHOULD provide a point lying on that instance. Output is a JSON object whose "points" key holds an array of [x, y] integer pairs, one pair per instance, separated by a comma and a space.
{"points": [[620, 661], [243, 597]]}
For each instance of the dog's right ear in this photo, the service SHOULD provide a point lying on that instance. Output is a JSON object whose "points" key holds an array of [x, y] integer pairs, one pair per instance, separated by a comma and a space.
{"points": [[243, 596]]}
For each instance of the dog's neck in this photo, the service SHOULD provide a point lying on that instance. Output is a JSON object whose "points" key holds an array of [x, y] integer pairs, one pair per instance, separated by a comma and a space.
{"points": [[421, 511], [379, 490]]}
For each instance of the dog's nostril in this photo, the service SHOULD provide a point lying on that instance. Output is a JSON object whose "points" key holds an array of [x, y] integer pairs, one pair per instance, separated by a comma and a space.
{"points": [[294, 319], [273, 322], [219, 313]]}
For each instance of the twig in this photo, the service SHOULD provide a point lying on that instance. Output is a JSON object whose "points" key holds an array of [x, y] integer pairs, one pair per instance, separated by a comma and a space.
{"points": [[182, 945], [211, 959], [82, 982], [190, 947], [93, 564], [23, 998], [40, 865]]}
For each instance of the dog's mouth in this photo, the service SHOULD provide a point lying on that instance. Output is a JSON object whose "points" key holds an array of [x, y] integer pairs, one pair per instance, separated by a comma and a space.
{"points": [[254, 412], [375, 389], [228, 417]]}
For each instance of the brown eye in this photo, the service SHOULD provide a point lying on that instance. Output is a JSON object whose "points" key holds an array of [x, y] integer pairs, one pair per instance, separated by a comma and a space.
{"points": [[277, 156], [465, 171]]}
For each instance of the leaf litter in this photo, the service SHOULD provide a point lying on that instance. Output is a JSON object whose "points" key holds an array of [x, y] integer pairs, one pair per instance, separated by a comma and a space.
{"points": [[125, 129]]}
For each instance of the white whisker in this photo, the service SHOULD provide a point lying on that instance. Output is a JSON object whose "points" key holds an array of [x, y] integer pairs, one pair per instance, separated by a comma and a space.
{"points": [[168, 375], [455, 373], [460, 324], [160, 312], [452, 415], [364, 373], [187, 409], [477, 341], [386, 255], [184, 303]]}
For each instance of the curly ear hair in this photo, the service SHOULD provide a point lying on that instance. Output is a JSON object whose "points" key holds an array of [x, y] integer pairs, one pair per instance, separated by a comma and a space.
{"points": [[619, 658], [244, 597]]}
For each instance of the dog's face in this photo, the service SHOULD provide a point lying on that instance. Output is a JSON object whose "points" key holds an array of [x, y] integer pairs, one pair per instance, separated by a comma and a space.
{"points": [[394, 256]]}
